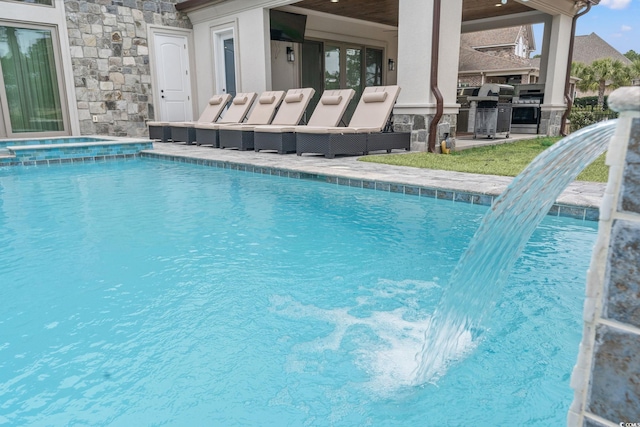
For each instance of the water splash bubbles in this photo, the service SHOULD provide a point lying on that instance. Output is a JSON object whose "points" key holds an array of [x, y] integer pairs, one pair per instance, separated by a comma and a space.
{"points": [[482, 271]]}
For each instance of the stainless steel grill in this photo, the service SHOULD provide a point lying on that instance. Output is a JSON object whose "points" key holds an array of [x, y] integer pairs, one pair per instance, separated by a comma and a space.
{"points": [[526, 109], [493, 113]]}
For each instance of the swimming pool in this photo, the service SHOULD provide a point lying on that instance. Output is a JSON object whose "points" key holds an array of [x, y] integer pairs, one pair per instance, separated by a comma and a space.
{"points": [[148, 292]]}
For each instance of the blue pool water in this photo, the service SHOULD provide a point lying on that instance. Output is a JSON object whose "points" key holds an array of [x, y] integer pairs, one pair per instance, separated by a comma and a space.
{"points": [[152, 293]]}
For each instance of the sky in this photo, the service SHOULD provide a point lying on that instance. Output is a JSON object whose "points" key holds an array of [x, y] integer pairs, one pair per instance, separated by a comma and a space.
{"points": [[616, 21]]}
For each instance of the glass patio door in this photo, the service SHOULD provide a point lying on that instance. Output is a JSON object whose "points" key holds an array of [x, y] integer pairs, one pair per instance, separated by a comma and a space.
{"points": [[351, 67], [353, 77], [30, 93], [373, 67], [312, 72], [333, 65]]}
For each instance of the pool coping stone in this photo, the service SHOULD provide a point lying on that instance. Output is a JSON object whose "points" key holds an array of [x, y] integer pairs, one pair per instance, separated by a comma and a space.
{"points": [[579, 200]]}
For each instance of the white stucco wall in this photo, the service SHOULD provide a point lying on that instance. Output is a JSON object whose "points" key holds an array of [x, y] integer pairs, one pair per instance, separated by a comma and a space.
{"points": [[284, 75], [334, 28], [252, 48], [261, 63]]}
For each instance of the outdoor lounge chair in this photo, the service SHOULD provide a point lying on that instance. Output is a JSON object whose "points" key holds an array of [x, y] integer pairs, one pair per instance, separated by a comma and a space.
{"points": [[368, 130], [159, 131], [207, 133], [240, 136], [282, 138], [186, 132], [164, 130]]}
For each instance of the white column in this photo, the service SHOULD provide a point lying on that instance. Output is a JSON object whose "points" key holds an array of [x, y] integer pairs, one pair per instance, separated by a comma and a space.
{"points": [[414, 55], [449, 53], [254, 47], [557, 62], [544, 56]]}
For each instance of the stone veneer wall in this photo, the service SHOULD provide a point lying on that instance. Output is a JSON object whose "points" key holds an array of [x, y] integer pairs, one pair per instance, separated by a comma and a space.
{"points": [[418, 125], [110, 57], [606, 378], [550, 122]]}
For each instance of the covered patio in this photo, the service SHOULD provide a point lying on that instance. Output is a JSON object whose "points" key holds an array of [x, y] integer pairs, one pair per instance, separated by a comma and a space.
{"points": [[412, 43]]}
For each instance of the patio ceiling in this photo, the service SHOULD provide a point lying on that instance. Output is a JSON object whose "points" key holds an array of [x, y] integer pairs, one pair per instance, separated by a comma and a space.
{"points": [[386, 11]]}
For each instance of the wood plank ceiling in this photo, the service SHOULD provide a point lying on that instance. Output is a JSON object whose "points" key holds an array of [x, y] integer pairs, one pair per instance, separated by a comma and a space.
{"points": [[386, 11]]}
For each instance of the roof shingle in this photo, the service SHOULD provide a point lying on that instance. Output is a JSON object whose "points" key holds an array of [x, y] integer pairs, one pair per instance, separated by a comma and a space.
{"points": [[587, 49], [497, 37]]}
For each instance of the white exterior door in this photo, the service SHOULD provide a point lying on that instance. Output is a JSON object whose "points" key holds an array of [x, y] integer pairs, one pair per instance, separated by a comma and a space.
{"points": [[173, 77]]}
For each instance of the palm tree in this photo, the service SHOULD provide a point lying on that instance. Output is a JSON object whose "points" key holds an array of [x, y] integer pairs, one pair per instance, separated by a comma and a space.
{"points": [[635, 69], [602, 73]]}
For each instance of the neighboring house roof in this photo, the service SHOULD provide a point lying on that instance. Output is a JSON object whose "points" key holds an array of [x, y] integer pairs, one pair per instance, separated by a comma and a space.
{"points": [[498, 37], [473, 60], [587, 49]]}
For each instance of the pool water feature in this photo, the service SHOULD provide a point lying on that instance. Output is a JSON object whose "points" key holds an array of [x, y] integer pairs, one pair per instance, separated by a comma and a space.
{"points": [[483, 269], [148, 292]]}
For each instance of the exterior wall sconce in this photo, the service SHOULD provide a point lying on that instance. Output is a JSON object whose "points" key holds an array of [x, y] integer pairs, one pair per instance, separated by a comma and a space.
{"points": [[291, 56], [391, 65]]}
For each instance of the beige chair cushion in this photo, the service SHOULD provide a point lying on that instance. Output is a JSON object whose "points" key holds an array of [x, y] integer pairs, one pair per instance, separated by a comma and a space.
{"points": [[374, 107], [331, 107], [212, 111], [217, 99], [324, 129], [263, 113], [294, 97], [328, 112], [184, 124], [239, 108], [293, 106], [370, 115], [274, 128], [290, 111], [267, 99], [210, 126], [240, 99], [374, 97], [331, 100]]}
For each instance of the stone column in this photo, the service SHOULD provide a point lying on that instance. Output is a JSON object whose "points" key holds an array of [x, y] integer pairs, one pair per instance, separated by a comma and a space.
{"points": [[606, 378], [416, 104], [556, 69]]}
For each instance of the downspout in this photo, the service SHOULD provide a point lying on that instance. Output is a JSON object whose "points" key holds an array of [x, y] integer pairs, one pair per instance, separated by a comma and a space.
{"points": [[567, 82], [435, 47]]}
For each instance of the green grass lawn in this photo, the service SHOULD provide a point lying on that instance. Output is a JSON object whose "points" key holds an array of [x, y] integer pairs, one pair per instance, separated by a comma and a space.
{"points": [[505, 159]]}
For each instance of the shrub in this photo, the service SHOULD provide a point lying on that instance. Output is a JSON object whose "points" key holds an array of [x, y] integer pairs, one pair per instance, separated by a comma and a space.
{"points": [[589, 102], [581, 117]]}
